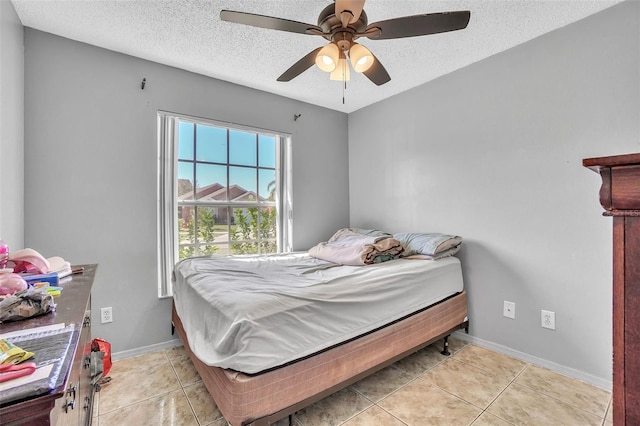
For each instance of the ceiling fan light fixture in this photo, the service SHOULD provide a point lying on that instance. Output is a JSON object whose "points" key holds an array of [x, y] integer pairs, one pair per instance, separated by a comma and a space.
{"points": [[341, 73], [341, 23], [327, 58], [361, 57]]}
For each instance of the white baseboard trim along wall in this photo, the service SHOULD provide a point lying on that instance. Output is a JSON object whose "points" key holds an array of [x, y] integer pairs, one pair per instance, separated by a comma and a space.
{"points": [[117, 356], [540, 362], [567, 371]]}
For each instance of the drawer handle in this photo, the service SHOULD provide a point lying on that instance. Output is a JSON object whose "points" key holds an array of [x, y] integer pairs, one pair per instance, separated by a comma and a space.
{"points": [[72, 391], [68, 404], [87, 402]]}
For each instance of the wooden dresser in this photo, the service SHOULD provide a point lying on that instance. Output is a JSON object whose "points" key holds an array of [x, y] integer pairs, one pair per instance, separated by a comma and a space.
{"points": [[72, 402], [620, 197]]}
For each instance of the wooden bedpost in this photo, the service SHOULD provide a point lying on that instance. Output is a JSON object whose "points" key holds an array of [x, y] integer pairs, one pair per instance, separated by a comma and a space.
{"points": [[620, 197]]}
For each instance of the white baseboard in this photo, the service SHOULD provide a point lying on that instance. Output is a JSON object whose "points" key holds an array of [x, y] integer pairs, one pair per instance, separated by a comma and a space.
{"points": [[567, 371], [145, 349]]}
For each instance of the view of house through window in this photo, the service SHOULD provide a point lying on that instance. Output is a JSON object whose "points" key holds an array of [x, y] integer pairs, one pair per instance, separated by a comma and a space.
{"points": [[228, 188]]}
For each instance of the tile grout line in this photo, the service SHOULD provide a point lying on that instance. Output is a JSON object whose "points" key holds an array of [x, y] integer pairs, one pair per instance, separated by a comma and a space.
{"points": [[137, 402], [559, 399], [609, 408], [511, 381], [374, 403], [527, 365], [144, 399], [182, 386], [193, 411], [442, 361], [522, 371]]}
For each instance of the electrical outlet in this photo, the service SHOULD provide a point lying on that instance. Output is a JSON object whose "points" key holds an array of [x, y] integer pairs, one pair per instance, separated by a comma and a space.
{"points": [[106, 315], [509, 310], [548, 319]]}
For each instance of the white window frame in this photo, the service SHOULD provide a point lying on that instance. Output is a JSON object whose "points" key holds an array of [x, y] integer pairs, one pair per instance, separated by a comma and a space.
{"points": [[167, 191]]}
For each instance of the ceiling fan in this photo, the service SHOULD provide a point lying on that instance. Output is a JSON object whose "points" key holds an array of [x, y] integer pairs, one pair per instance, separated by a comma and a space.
{"points": [[342, 23]]}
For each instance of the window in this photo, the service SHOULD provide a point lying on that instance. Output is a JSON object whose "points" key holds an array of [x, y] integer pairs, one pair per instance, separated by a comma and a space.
{"points": [[222, 189]]}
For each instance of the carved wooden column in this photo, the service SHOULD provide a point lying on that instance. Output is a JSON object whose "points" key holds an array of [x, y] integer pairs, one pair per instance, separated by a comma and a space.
{"points": [[620, 197]]}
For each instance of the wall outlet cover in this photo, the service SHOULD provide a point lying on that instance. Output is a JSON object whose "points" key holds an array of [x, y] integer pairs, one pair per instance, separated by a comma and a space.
{"points": [[548, 319], [509, 310], [106, 315]]}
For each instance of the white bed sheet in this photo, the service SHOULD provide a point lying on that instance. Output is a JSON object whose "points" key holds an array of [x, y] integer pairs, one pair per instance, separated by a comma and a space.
{"points": [[253, 313]]}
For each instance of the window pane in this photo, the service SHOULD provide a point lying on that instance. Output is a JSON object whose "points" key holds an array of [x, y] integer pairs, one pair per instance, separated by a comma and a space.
{"points": [[267, 151], [267, 180], [243, 235], [223, 249], [207, 231], [211, 144], [185, 180], [186, 231], [254, 231], [221, 185], [267, 224], [244, 248], [246, 180], [223, 217], [211, 182], [245, 220], [269, 246], [185, 141], [242, 148]]}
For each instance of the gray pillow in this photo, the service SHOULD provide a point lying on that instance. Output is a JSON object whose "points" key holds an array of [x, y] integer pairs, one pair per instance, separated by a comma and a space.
{"points": [[371, 232], [429, 244]]}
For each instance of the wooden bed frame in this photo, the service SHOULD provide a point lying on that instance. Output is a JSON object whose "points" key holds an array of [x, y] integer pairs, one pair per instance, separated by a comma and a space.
{"points": [[264, 398]]}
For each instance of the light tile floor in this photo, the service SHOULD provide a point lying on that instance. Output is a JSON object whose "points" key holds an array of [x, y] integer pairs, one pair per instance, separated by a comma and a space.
{"points": [[473, 386]]}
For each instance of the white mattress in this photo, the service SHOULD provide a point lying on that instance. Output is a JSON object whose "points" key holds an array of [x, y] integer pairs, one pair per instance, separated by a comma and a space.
{"points": [[254, 313]]}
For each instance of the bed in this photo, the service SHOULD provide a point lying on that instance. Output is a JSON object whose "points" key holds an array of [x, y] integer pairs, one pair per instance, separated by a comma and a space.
{"points": [[272, 334]]}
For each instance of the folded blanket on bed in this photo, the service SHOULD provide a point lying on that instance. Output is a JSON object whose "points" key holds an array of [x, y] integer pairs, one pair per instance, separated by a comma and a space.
{"points": [[383, 250], [351, 237], [346, 247]]}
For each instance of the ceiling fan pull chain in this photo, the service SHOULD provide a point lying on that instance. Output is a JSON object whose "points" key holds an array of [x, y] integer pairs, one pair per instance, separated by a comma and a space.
{"points": [[344, 88]]}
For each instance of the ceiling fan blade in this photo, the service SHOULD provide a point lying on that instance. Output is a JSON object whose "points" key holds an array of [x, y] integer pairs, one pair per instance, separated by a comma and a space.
{"points": [[268, 22], [354, 7], [301, 66], [417, 25], [377, 73]]}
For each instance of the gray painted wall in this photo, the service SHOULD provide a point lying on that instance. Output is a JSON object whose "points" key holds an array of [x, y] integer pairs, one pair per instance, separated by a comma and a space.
{"points": [[11, 127], [493, 152], [91, 173]]}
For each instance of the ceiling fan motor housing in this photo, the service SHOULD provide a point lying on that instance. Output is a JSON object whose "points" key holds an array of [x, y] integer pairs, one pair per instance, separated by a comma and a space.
{"points": [[335, 32]]}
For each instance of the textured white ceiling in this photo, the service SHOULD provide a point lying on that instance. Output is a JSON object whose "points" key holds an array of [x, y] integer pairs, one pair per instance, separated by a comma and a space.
{"points": [[189, 34]]}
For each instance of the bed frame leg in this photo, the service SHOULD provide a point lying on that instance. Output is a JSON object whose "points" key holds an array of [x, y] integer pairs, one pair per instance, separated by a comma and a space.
{"points": [[290, 419], [173, 328], [445, 349]]}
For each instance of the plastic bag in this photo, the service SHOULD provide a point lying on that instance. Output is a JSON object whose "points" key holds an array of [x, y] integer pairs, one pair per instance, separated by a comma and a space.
{"points": [[25, 304], [100, 345]]}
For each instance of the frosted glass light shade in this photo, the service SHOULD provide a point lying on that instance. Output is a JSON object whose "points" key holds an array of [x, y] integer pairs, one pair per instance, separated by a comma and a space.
{"points": [[341, 73], [327, 57], [361, 57]]}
